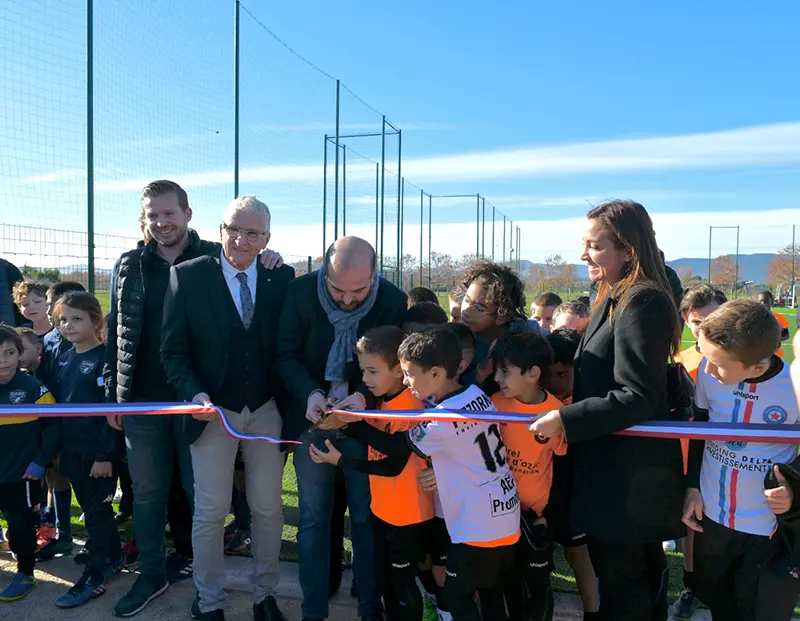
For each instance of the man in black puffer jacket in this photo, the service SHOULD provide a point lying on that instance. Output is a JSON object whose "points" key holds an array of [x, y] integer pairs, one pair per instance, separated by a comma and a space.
{"points": [[133, 372]]}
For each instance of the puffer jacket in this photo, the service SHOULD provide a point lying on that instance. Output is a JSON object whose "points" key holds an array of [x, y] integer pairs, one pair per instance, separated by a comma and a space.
{"points": [[125, 317]]}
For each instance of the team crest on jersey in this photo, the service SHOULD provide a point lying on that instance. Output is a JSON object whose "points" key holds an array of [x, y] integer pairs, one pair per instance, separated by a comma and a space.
{"points": [[87, 366], [418, 432], [775, 415], [17, 396]]}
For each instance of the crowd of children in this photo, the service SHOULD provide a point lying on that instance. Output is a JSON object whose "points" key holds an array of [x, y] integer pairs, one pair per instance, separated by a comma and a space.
{"points": [[466, 513]]}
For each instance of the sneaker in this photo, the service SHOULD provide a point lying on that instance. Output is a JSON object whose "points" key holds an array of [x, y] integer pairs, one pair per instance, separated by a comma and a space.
{"points": [[268, 610], [62, 546], [81, 557], [178, 567], [229, 532], [112, 568], [83, 591], [240, 544], [684, 607], [122, 516], [130, 555], [20, 586], [44, 535], [195, 611], [669, 546], [142, 593]]}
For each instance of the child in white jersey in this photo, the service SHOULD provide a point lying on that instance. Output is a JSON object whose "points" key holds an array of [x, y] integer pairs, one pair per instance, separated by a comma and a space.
{"points": [[478, 495], [740, 380]]}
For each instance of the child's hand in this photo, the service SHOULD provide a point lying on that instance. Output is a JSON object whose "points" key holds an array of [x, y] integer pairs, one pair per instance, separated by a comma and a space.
{"points": [[693, 509], [335, 421], [332, 456], [779, 498], [100, 470], [427, 480]]}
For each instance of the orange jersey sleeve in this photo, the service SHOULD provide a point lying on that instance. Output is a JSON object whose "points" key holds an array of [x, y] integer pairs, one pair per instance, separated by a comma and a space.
{"points": [[784, 324], [400, 500], [530, 460], [690, 358]]}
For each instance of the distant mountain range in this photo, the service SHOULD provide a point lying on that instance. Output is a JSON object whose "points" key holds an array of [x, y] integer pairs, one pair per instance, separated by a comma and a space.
{"points": [[751, 267]]}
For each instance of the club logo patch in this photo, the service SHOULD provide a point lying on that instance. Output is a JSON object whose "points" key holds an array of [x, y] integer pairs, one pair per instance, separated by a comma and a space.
{"points": [[17, 396], [775, 415], [87, 366], [418, 433], [735, 446]]}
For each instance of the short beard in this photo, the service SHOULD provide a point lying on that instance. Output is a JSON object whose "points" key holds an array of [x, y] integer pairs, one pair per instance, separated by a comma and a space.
{"points": [[179, 239]]}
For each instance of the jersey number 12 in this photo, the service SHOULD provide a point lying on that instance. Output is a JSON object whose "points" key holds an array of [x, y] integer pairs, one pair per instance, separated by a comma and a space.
{"points": [[491, 457]]}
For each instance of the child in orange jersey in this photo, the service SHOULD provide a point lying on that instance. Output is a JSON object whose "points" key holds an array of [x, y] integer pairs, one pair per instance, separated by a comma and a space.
{"points": [[765, 299], [697, 304], [401, 509]]}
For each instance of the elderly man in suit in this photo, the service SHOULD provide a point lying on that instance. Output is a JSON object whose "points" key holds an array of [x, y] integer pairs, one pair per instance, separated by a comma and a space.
{"points": [[218, 347], [324, 314]]}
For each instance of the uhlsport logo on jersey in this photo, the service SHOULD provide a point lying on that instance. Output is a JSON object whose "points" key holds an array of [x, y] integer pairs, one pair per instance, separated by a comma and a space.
{"points": [[87, 366], [775, 415]]}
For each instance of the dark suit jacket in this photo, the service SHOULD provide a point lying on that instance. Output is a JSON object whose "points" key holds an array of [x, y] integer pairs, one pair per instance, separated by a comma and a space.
{"points": [[625, 489], [306, 336], [195, 333]]}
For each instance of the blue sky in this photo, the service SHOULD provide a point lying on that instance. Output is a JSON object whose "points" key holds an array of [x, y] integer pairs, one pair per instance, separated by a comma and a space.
{"points": [[543, 108]]}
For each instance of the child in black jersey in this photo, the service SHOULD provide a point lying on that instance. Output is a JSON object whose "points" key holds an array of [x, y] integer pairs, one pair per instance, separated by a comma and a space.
{"points": [[89, 445], [27, 445]]}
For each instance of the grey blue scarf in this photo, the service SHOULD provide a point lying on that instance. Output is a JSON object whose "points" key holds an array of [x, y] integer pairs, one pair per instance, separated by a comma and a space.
{"points": [[345, 327]]}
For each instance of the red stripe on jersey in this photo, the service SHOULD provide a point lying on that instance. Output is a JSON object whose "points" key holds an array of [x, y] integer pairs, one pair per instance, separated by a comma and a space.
{"points": [[732, 510]]}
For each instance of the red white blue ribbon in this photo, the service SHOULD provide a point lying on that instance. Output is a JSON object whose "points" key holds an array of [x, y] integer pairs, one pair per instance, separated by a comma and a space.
{"points": [[720, 432], [70, 410]]}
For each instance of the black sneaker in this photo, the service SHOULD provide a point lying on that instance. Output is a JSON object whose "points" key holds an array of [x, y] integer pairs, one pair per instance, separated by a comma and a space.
{"points": [[267, 610], [81, 557], [196, 614], [61, 546], [684, 607], [142, 593], [178, 567]]}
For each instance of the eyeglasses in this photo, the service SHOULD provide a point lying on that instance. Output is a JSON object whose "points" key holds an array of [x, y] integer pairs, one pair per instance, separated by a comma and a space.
{"points": [[249, 234]]}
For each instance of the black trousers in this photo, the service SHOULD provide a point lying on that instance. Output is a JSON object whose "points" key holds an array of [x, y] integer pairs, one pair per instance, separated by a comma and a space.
{"points": [[95, 497], [633, 580], [731, 581], [179, 514], [470, 569], [399, 550], [16, 503], [337, 532], [528, 590]]}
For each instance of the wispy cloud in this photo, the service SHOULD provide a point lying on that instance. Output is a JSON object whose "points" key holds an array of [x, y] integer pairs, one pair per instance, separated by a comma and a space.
{"points": [[759, 146]]}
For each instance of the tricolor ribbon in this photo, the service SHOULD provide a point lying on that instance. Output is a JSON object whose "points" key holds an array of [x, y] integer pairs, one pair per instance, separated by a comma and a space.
{"points": [[720, 432], [71, 410]]}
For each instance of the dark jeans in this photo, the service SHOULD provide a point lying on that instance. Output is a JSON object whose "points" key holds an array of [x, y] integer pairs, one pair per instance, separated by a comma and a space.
{"points": [[16, 504], [152, 444], [179, 514], [315, 484], [337, 531], [633, 580], [95, 497]]}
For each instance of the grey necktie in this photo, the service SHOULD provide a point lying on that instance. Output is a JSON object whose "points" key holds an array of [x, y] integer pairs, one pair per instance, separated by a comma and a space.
{"points": [[247, 299]]}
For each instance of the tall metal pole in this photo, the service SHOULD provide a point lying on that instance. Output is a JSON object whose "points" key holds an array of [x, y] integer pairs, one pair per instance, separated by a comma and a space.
{"points": [[421, 209], [483, 228], [519, 250], [511, 241], [336, 173], [710, 229], [344, 190], [793, 253], [400, 233], [90, 145], [504, 239], [377, 205], [325, 197], [736, 280], [493, 210], [383, 181], [477, 226], [236, 98], [399, 262], [430, 236]]}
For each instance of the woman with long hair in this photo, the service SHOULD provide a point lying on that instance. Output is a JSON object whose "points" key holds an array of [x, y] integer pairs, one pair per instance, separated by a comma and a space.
{"points": [[626, 491]]}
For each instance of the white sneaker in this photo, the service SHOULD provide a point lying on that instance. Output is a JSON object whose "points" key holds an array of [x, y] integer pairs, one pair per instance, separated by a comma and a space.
{"points": [[443, 615], [425, 595], [669, 546]]}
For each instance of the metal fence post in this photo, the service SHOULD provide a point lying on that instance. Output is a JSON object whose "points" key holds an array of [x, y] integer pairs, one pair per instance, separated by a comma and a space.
{"points": [[399, 262], [90, 144], [344, 190], [477, 226], [493, 210], [377, 204], [421, 208], [430, 236], [383, 181], [236, 99], [336, 173]]}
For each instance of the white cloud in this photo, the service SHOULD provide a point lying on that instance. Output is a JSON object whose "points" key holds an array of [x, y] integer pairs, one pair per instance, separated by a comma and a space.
{"points": [[766, 145]]}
